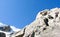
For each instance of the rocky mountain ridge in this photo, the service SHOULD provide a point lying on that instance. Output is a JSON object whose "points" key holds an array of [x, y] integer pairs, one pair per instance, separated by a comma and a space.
{"points": [[46, 24], [7, 31]]}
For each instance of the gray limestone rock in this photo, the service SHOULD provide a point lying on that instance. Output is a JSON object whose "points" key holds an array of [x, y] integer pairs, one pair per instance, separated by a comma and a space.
{"points": [[46, 24]]}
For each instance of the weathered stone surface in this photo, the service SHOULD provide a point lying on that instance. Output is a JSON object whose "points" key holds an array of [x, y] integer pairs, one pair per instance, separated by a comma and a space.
{"points": [[46, 24], [2, 34], [7, 31]]}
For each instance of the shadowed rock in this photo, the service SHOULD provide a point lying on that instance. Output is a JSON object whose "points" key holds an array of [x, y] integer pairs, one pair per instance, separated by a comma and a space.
{"points": [[46, 21], [2, 34]]}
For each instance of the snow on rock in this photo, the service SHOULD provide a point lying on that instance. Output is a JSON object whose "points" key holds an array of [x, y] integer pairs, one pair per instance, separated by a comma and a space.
{"points": [[46, 24], [7, 31], [15, 29]]}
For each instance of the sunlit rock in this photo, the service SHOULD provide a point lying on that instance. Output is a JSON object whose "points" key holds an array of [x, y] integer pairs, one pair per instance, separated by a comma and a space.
{"points": [[46, 24]]}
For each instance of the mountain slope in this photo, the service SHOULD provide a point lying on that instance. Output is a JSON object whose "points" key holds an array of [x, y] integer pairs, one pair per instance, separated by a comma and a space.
{"points": [[7, 31], [46, 24]]}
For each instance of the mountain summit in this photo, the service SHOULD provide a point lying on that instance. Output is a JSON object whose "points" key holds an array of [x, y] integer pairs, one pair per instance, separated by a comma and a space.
{"points": [[46, 24]]}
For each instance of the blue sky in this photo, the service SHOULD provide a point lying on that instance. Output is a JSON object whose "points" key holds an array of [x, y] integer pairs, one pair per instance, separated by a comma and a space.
{"points": [[20, 13]]}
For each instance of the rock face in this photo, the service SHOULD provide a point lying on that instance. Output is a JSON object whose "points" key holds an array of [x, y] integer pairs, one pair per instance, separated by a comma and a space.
{"points": [[7, 31], [2, 34], [46, 24]]}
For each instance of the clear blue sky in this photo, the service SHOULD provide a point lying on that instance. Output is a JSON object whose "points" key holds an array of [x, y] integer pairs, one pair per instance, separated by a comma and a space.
{"points": [[19, 13]]}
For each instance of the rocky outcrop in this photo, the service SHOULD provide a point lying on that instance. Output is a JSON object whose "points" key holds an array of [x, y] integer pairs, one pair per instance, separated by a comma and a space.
{"points": [[2, 34], [46, 24], [7, 31]]}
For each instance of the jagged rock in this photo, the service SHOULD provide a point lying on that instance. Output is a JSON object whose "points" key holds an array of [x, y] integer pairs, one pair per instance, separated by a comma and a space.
{"points": [[46, 24], [7, 31]]}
